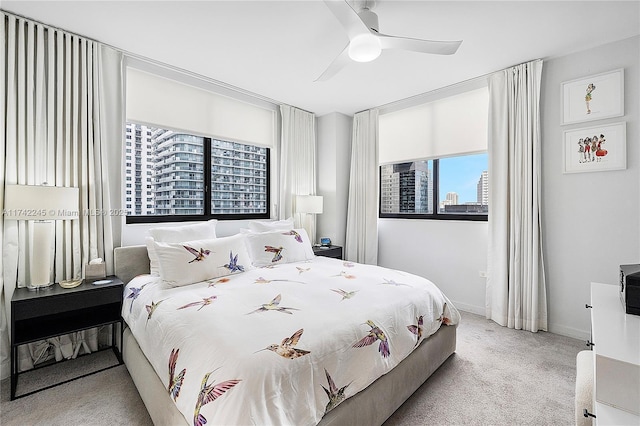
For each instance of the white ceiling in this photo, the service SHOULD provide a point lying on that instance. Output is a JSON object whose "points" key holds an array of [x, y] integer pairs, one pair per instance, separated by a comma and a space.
{"points": [[278, 48]]}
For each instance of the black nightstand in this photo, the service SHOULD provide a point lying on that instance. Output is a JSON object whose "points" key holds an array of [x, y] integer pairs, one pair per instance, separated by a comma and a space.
{"points": [[328, 251], [56, 311]]}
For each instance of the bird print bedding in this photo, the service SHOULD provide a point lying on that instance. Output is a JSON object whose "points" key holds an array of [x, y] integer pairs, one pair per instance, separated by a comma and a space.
{"points": [[281, 345]]}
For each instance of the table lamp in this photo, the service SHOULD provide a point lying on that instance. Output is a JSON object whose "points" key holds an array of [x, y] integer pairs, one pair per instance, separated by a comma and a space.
{"points": [[40, 204], [309, 204]]}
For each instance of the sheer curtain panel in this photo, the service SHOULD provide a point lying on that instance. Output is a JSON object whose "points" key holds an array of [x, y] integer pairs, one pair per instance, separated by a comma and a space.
{"points": [[297, 165], [516, 291], [361, 243], [62, 124]]}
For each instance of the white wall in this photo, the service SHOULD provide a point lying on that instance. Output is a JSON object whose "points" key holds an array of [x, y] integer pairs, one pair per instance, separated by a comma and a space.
{"points": [[334, 158], [590, 220], [449, 253]]}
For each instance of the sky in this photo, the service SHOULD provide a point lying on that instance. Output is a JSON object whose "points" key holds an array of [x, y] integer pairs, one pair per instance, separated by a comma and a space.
{"points": [[461, 174]]}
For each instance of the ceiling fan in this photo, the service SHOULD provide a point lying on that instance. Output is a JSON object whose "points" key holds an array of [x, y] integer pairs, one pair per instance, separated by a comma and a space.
{"points": [[366, 42]]}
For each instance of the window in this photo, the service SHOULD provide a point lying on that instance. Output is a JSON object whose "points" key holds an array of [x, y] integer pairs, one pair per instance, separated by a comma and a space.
{"points": [[433, 155], [182, 166], [446, 188]]}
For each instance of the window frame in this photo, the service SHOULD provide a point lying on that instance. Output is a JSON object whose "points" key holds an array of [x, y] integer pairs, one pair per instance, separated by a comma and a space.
{"points": [[207, 215], [473, 217]]}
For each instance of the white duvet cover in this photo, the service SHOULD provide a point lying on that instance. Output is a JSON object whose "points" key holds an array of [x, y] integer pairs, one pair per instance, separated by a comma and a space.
{"points": [[281, 345]]}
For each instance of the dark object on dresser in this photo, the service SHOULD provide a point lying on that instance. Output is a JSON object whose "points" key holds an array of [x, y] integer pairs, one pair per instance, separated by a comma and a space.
{"points": [[630, 288]]}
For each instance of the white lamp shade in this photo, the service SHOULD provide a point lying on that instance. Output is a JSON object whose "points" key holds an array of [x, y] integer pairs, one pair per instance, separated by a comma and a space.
{"points": [[308, 204], [40, 202]]}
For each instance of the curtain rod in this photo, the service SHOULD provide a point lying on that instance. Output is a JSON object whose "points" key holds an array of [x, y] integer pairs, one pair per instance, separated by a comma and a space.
{"points": [[153, 61]]}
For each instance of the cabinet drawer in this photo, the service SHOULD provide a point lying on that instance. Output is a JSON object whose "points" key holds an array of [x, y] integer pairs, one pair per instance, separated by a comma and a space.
{"points": [[59, 304]]}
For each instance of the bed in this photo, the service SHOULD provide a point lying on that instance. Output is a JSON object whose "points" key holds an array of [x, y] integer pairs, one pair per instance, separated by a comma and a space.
{"points": [[336, 398]]}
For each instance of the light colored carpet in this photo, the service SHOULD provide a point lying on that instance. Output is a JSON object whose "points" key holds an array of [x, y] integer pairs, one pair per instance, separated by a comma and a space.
{"points": [[498, 376]]}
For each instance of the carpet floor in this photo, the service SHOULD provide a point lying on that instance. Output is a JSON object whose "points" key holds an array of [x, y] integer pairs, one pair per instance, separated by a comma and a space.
{"points": [[497, 376]]}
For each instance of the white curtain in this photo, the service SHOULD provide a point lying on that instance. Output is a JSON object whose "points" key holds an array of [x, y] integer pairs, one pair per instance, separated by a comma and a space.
{"points": [[516, 292], [62, 123], [297, 165], [361, 243]]}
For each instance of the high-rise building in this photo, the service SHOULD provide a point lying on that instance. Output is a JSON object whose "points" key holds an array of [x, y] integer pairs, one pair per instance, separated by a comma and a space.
{"points": [[451, 199], [139, 199], [238, 177], [406, 188], [483, 189], [389, 190], [178, 170]]}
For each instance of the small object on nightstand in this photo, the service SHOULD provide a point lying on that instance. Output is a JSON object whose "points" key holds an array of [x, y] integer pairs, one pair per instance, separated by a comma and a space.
{"points": [[95, 269], [102, 282], [70, 283], [328, 251], [325, 241]]}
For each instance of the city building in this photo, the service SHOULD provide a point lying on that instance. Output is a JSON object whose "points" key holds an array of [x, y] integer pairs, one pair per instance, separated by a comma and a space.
{"points": [[178, 172], [406, 188], [483, 188], [164, 174], [238, 178], [139, 197], [451, 199]]}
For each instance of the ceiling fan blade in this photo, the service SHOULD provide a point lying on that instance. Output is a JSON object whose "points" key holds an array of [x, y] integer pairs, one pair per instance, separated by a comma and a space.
{"points": [[338, 63], [348, 17], [418, 45]]}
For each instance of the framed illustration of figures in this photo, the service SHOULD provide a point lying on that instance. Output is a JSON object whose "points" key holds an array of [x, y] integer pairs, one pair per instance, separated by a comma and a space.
{"points": [[593, 98], [595, 149]]}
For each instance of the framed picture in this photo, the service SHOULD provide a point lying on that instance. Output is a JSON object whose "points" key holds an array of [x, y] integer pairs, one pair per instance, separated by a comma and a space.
{"points": [[593, 98], [595, 149]]}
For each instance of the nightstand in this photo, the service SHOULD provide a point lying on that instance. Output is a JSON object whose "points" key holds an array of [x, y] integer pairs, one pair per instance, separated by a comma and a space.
{"points": [[48, 313], [328, 251]]}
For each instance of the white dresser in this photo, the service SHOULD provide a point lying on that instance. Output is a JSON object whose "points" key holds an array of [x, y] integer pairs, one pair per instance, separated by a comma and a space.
{"points": [[616, 347]]}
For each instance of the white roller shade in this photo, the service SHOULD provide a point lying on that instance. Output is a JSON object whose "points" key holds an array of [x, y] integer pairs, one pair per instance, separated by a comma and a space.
{"points": [[445, 127], [162, 102]]}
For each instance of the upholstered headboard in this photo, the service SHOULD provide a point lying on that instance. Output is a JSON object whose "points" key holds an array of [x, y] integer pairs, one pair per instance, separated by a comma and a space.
{"points": [[130, 262]]}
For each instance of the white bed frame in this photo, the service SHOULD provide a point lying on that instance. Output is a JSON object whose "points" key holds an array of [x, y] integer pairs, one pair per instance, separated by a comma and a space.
{"points": [[372, 406]]}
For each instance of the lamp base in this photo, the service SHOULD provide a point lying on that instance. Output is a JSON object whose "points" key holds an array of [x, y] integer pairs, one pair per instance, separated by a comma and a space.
{"points": [[40, 287], [41, 245]]}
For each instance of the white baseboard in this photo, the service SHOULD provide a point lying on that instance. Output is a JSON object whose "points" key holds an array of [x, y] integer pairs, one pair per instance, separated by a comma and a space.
{"points": [[478, 310], [553, 328], [569, 332]]}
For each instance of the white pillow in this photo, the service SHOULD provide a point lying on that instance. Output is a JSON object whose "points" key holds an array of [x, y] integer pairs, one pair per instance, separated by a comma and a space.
{"points": [[175, 234], [196, 261], [274, 225], [272, 248]]}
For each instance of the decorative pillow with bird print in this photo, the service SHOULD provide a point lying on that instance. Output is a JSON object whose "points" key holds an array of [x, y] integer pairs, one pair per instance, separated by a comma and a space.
{"points": [[175, 234], [277, 247], [199, 260]]}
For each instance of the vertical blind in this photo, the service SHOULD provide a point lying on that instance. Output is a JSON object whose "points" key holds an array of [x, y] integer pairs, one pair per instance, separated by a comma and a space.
{"points": [[449, 126], [159, 101]]}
